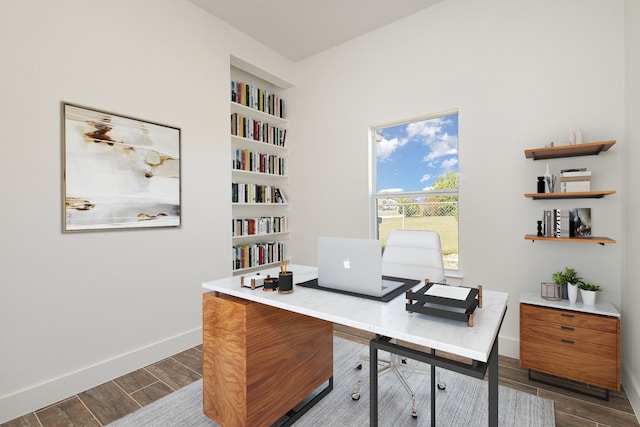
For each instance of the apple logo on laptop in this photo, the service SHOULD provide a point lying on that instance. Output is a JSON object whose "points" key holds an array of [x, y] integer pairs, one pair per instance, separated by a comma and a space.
{"points": [[347, 264]]}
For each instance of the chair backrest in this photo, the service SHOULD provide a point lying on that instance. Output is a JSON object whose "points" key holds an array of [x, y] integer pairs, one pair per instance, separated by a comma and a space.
{"points": [[413, 254]]}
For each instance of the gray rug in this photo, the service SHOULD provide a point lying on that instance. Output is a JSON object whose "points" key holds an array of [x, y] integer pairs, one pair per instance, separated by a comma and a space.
{"points": [[462, 403]]}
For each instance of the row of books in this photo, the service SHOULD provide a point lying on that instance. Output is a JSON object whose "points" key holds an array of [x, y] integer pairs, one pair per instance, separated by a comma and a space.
{"points": [[257, 226], [256, 193], [251, 161], [572, 222], [253, 97], [575, 180], [247, 256], [257, 130]]}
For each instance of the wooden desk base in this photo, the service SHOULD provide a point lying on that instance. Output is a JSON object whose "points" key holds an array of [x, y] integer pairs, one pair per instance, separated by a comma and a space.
{"points": [[258, 362]]}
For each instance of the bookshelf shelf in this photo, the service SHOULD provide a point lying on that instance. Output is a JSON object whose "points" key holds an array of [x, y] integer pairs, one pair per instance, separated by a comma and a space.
{"points": [[258, 174], [587, 149], [594, 239], [254, 268], [259, 236], [236, 204], [257, 114], [252, 144], [570, 195]]}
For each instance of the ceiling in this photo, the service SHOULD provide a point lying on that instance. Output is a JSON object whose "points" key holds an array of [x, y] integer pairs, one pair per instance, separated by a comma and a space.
{"points": [[298, 29]]}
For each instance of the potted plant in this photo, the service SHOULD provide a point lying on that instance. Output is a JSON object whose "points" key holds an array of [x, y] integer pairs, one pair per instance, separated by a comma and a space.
{"points": [[569, 279], [588, 292]]}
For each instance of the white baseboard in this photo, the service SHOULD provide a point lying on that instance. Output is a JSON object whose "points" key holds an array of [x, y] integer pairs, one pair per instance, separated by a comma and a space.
{"points": [[51, 391], [509, 347], [632, 389]]}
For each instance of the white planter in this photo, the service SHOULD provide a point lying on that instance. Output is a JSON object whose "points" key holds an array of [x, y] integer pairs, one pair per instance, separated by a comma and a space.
{"points": [[572, 292], [588, 297]]}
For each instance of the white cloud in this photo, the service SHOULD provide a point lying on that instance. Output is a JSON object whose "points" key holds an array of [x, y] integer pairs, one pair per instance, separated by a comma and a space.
{"points": [[391, 190], [428, 129], [449, 163], [446, 145], [425, 177], [430, 132], [386, 147]]}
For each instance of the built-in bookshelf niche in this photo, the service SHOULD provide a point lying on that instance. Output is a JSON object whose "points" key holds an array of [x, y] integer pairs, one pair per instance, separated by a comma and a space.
{"points": [[259, 157]]}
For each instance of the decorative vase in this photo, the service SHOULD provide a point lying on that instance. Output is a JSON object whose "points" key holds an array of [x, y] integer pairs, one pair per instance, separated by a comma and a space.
{"points": [[588, 297], [548, 179], [572, 290]]}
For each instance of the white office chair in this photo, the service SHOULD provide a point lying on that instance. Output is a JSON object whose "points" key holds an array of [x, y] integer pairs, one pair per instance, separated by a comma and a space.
{"points": [[411, 254]]}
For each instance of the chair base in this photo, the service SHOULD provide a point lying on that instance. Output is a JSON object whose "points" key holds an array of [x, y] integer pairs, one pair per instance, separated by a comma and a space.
{"points": [[395, 364]]}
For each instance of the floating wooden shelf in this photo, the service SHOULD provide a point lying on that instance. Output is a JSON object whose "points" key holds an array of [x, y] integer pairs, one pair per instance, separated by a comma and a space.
{"points": [[594, 239], [571, 195], [587, 149]]}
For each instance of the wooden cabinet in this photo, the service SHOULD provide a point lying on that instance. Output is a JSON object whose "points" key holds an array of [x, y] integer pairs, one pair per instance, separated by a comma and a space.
{"points": [[580, 346], [258, 362]]}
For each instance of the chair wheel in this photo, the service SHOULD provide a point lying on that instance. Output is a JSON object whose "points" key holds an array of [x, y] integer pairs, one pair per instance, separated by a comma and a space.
{"points": [[355, 396], [442, 385], [359, 366]]}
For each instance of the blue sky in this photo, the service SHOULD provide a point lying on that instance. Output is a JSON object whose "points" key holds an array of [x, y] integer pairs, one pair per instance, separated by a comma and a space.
{"points": [[410, 157]]}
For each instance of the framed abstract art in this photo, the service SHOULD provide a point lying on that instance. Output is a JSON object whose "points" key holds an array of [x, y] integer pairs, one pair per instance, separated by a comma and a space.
{"points": [[118, 172]]}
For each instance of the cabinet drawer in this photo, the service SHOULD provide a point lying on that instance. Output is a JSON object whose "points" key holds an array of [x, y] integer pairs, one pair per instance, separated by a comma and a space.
{"points": [[562, 333], [560, 344], [570, 318], [584, 363]]}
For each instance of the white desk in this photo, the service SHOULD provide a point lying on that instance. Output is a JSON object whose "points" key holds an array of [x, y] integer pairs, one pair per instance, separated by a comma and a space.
{"points": [[390, 320]]}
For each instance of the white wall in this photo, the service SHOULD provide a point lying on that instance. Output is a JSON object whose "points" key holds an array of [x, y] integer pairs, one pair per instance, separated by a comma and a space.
{"points": [[79, 309], [522, 74], [631, 290]]}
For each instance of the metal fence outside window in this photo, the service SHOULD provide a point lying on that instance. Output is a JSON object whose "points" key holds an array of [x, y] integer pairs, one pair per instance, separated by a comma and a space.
{"points": [[439, 214]]}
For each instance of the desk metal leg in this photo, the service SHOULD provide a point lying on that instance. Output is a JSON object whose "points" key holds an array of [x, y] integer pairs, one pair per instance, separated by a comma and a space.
{"points": [[295, 414], [373, 385], [476, 370], [493, 385], [433, 392]]}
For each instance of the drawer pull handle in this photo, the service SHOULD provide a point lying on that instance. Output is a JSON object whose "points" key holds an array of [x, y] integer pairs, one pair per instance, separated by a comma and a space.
{"points": [[567, 315], [566, 341], [566, 328]]}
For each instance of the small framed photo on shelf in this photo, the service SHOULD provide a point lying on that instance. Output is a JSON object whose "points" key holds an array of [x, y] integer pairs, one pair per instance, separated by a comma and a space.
{"points": [[550, 291]]}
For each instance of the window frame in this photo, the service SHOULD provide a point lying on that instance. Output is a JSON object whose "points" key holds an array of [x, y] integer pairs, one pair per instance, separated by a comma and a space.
{"points": [[374, 196]]}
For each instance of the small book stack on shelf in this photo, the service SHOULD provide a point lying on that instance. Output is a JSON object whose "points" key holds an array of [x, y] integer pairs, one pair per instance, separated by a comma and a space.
{"points": [[257, 254], [572, 222], [575, 180], [254, 193], [257, 130], [251, 161], [257, 226], [259, 99]]}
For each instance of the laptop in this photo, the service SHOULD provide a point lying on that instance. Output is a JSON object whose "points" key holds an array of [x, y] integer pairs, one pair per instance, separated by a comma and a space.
{"points": [[355, 266]]}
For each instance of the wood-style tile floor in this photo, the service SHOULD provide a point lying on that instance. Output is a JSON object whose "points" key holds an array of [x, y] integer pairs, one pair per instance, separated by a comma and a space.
{"points": [[112, 400]]}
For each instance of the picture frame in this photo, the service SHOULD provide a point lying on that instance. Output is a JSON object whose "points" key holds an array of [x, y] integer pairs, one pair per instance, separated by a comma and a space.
{"points": [[118, 172]]}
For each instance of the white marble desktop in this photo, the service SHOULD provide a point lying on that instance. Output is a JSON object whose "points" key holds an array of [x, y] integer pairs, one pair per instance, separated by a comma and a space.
{"points": [[601, 307], [388, 319]]}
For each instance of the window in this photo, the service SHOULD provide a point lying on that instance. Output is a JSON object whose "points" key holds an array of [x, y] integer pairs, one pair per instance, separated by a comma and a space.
{"points": [[414, 179]]}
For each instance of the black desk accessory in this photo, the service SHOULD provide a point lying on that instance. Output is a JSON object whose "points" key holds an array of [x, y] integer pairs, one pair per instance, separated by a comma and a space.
{"points": [[408, 284], [450, 308]]}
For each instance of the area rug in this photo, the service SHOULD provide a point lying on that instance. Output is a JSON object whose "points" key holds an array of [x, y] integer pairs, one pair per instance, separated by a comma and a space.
{"points": [[462, 403]]}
